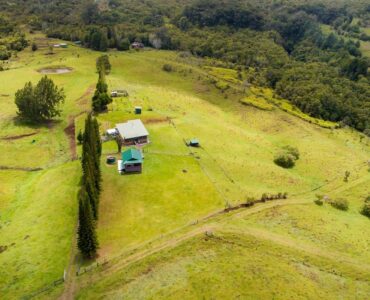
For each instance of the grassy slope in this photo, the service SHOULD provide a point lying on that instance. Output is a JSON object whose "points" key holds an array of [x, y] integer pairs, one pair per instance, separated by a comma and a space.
{"points": [[38, 209], [236, 160], [238, 143]]}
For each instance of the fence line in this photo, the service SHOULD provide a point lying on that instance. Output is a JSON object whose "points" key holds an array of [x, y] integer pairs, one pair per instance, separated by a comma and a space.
{"points": [[44, 289]]}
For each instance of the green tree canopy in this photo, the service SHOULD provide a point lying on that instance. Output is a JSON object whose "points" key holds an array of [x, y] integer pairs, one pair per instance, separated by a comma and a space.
{"points": [[41, 102]]}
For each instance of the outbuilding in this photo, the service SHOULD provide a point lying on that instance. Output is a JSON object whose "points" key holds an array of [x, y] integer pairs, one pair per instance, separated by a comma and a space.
{"points": [[119, 93], [133, 132], [138, 110], [112, 132], [131, 162], [194, 143], [137, 45]]}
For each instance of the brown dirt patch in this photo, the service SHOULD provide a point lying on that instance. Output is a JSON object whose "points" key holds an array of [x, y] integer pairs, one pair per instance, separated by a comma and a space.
{"points": [[84, 99], [155, 120], [17, 137], [55, 70], [200, 88], [70, 132], [20, 169]]}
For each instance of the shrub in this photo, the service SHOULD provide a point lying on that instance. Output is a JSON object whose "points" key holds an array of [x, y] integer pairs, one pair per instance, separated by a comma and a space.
{"points": [[366, 209], [284, 160], [319, 202], [292, 151], [340, 203], [167, 68], [34, 47], [4, 53], [346, 176]]}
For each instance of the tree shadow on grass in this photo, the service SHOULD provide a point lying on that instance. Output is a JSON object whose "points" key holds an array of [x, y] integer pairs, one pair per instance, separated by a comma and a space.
{"points": [[20, 122]]}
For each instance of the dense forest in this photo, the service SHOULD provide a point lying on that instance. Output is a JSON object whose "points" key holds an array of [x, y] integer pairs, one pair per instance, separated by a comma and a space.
{"points": [[323, 73]]}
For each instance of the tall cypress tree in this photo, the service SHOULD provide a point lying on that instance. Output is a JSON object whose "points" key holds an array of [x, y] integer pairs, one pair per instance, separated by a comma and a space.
{"points": [[87, 239], [97, 136], [90, 181], [91, 152]]}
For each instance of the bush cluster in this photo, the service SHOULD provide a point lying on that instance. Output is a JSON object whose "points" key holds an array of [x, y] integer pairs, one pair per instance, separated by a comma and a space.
{"points": [[366, 207], [266, 196], [340, 203], [167, 68], [287, 157]]}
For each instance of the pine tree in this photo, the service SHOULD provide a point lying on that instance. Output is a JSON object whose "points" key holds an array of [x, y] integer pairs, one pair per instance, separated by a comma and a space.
{"points": [[80, 137], [87, 239], [91, 152], [101, 98], [97, 137]]}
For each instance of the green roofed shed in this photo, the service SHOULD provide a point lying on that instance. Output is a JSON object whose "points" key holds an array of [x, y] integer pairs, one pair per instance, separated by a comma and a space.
{"points": [[132, 156], [132, 161]]}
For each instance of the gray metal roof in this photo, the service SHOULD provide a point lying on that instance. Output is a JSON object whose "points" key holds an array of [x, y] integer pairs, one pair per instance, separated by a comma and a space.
{"points": [[132, 129]]}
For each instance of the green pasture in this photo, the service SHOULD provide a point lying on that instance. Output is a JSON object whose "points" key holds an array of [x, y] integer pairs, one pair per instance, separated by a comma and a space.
{"points": [[37, 228], [38, 209], [231, 263], [178, 186], [235, 160]]}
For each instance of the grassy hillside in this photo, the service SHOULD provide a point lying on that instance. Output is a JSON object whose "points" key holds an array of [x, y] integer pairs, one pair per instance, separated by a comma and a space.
{"points": [[238, 146], [151, 226], [38, 209]]}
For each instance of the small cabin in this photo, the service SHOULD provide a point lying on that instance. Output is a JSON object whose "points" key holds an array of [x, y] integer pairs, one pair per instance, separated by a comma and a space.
{"points": [[131, 162], [137, 45], [133, 132]]}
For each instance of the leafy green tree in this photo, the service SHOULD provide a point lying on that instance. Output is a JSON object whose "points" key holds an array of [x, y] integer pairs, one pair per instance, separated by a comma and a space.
{"points": [[124, 45], [101, 98], [103, 64], [103, 43], [39, 103], [90, 12], [87, 238]]}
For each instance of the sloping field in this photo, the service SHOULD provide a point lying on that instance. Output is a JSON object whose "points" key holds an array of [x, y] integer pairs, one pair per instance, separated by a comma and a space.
{"points": [[151, 226], [291, 249], [38, 208]]}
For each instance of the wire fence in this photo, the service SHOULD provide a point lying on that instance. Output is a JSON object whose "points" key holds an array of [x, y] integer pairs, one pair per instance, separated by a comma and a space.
{"points": [[44, 289]]}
